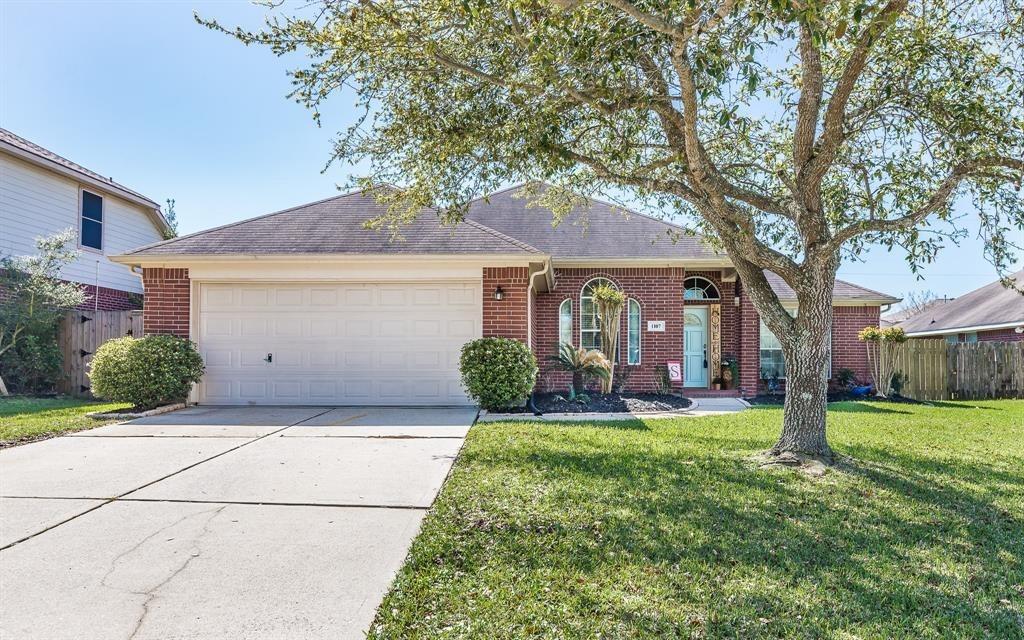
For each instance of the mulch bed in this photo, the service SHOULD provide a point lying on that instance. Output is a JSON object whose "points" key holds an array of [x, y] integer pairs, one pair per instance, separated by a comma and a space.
{"points": [[840, 396], [609, 403]]}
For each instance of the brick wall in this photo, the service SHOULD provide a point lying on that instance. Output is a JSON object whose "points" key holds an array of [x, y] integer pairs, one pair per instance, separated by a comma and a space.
{"points": [[660, 294], [109, 299], [1000, 335], [167, 301], [847, 351], [506, 317]]}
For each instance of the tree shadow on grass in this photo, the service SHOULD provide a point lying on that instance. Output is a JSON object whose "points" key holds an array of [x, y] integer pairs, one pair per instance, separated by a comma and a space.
{"points": [[877, 550], [861, 407]]}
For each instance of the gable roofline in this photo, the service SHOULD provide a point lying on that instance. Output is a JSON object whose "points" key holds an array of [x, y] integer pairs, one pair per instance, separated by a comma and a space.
{"points": [[26, 150], [476, 225]]}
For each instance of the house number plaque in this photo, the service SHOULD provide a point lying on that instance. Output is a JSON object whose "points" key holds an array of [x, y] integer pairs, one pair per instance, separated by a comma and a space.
{"points": [[655, 325]]}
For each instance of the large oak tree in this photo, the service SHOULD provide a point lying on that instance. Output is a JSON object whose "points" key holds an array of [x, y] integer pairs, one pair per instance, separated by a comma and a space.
{"points": [[794, 132]]}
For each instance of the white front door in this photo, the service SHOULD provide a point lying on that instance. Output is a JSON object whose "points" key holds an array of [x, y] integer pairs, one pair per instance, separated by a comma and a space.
{"points": [[336, 343], [695, 346]]}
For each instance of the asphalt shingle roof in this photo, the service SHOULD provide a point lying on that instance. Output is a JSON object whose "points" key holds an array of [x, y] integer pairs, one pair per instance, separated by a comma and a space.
{"points": [[842, 291], [991, 304], [335, 225], [600, 230]]}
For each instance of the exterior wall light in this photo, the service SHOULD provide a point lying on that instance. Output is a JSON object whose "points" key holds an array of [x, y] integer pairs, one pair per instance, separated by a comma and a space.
{"points": [[499, 294]]}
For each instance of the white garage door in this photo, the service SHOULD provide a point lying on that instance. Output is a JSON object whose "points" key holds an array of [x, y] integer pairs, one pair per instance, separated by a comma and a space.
{"points": [[336, 343]]}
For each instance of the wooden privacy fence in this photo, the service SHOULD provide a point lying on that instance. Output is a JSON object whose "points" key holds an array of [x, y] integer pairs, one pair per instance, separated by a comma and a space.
{"points": [[81, 333], [967, 371]]}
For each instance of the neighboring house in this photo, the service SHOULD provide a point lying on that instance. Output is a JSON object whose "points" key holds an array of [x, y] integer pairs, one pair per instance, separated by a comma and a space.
{"points": [[42, 193], [893, 318], [993, 312], [307, 306]]}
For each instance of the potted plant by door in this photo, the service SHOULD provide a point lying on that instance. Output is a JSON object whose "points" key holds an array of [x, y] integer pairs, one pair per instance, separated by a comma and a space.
{"points": [[729, 370], [716, 384]]}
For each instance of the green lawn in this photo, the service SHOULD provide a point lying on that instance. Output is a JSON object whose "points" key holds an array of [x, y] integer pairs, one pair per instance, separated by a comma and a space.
{"points": [[33, 418], [664, 529]]}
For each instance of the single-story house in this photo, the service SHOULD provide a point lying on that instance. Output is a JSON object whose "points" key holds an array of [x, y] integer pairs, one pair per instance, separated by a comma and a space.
{"points": [[43, 193], [991, 313], [307, 306]]}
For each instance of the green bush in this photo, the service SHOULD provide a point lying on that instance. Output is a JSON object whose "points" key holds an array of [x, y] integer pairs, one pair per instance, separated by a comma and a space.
{"points": [[147, 372], [33, 365], [497, 372]]}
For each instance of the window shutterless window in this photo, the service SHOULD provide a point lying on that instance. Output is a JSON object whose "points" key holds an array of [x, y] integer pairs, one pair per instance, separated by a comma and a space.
{"points": [[772, 362], [633, 332], [565, 322], [91, 232], [590, 327]]}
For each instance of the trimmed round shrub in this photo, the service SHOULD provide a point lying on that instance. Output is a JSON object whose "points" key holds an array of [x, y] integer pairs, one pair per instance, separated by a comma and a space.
{"points": [[147, 372], [498, 372]]}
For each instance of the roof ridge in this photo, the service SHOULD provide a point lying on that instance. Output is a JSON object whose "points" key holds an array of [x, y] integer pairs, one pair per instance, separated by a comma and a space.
{"points": [[238, 222], [501, 236]]}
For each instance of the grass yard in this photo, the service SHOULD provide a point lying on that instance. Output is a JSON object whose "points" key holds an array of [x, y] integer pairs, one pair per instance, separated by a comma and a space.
{"points": [[664, 530], [23, 418]]}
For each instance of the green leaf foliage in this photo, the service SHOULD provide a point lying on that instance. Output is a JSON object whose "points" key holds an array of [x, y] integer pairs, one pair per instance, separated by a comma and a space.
{"points": [[147, 372], [497, 372]]}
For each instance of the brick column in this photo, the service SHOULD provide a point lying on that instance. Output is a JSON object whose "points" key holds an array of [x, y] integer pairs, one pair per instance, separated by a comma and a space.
{"points": [[506, 318], [166, 306], [748, 330]]}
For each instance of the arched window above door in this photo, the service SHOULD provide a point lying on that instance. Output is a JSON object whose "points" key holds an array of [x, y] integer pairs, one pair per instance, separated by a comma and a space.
{"points": [[697, 288]]}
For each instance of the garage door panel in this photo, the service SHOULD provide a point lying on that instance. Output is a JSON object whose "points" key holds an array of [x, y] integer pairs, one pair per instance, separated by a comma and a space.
{"points": [[349, 343]]}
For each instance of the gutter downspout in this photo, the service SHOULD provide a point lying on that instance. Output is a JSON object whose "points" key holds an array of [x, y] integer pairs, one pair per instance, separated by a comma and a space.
{"points": [[546, 272]]}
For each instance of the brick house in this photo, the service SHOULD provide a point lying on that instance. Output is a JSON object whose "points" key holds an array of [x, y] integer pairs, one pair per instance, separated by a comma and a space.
{"points": [[42, 193], [308, 306], [991, 313]]}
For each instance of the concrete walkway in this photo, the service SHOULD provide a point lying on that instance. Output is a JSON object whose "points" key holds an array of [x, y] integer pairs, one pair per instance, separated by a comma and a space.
{"points": [[700, 407], [269, 522]]}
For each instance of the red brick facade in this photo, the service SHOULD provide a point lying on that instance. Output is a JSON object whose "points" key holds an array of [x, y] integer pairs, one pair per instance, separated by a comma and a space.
{"points": [[109, 299], [1000, 335], [507, 317], [167, 301]]}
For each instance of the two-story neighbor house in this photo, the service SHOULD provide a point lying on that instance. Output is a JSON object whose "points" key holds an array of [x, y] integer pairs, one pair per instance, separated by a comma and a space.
{"points": [[42, 193], [307, 306]]}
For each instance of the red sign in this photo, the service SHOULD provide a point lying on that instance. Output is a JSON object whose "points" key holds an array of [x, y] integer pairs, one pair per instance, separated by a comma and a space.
{"points": [[675, 371]]}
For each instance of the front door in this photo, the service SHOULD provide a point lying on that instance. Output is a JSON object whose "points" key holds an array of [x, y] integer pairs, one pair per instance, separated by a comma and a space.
{"points": [[695, 347]]}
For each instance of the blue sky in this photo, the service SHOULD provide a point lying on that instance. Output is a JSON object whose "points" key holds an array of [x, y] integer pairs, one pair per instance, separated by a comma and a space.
{"points": [[141, 93]]}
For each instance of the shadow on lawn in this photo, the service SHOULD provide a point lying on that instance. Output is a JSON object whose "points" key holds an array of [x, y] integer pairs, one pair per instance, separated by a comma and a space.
{"points": [[871, 545]]}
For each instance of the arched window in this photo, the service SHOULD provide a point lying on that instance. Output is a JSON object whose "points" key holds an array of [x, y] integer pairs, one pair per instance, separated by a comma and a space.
{"points": [[590, 328], [633, 332], [565, 322], [697, 288]]}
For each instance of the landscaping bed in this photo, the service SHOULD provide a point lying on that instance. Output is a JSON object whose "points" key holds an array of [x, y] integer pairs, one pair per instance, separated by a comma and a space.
{"points": [[779, 399], [606, 403]]}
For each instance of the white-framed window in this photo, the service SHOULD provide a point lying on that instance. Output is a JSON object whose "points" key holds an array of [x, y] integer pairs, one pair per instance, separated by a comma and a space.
{"points": [[565, 322], [633, 332], [971, 337], [590, 327], [772, 361], [697, 288], [90, 228], [953, 339]]}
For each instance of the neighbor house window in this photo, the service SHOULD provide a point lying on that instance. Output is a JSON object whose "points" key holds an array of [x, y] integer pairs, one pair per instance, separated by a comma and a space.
{"points": [[971, 337], [633, 332], [92, 221], [565, 322], [590, 327]]}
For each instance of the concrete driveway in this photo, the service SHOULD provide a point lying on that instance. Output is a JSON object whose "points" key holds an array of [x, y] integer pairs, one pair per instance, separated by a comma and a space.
{"points": [[218, 522]]}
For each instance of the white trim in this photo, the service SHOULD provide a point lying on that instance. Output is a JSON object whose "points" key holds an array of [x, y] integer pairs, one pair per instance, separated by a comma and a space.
{"points": [[969, 329], [597, 262], [717, 298], [102, 221], [179, 260]]}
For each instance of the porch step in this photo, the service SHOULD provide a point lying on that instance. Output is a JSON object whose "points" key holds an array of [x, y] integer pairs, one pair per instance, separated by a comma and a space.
{"points": [[711, 393]]}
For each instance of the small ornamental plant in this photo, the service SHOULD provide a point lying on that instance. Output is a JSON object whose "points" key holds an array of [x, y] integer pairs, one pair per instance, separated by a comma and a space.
{"points": [[498, 372], [609, 302], [884, 347], [147, 372]]}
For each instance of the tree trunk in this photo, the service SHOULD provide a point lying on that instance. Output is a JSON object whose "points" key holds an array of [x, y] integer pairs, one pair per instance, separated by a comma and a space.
{"points": [[577, 383], [807, 352]]}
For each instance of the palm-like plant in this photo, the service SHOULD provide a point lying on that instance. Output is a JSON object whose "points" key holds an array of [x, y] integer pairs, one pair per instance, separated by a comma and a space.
{"points": [[583, 364]]}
